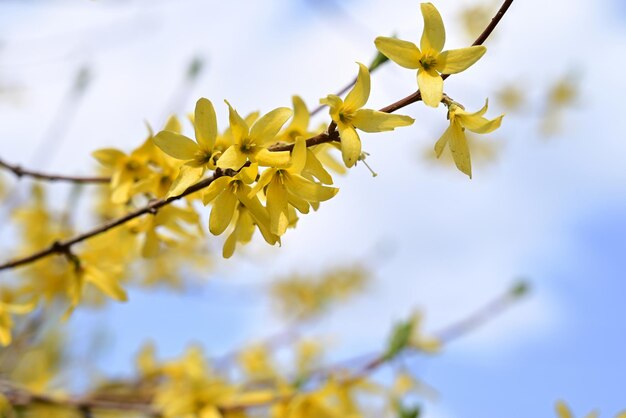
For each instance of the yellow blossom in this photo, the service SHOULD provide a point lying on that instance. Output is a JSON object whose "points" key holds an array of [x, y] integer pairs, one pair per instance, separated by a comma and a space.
{"points": [[454, 136], [250, 143], [349, 116], [170, 218], [225, 192], [198, 156], [286, 186], [244, 228], [430, 60]]}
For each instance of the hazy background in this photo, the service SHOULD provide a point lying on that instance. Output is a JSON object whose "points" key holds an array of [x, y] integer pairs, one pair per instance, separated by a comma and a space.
{"points": [[552, 210]]}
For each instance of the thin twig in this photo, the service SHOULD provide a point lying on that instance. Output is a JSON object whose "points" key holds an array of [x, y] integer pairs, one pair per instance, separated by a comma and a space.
{"points": [[63, 247], [452, 332], [23, 172]]}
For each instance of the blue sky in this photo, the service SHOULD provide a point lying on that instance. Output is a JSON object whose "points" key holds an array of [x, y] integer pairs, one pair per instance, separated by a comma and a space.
{"points": [[551, 210]]}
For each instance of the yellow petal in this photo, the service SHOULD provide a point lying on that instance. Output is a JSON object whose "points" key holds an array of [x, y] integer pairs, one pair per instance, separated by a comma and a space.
{"points": [[298, 156], [460, 149], [186, 177], [443, 141], [230, 244], [6, 324], [369, 120], [176, 145], [475, 122], [205, 124], [263, 181], [403, 53], [222, 213], [350, 145], [300, 114], [460, 112], [277, 207], [562, 410], [431, 86], [210, 412], [457, 60], [308, 190], [481, 125], [315, 168], [108, 157], [297, 202], [172, 124], [21, 308], [434, 35], [232, 158], [238, 127], [265, 129], [151, 245], [360, 92], [248, 174], [215, 188], [253, 204], [259, 213], [332, 101], [268, 158], [106, 283]]}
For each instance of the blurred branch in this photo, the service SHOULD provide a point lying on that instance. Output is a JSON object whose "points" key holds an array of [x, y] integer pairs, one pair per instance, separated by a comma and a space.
{"points": [[20, 172], [18, 396], [459, 329]]}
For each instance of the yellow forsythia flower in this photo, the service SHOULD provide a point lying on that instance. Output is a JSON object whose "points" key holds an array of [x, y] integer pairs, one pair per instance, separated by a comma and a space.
{"points": [[198, 156], [226, 192], [429, 60], [250, 142], [286, 186], [454, 136], [349, 116]]}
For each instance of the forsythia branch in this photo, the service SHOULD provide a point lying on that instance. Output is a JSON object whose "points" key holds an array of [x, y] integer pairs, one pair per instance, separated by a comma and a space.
{"points": [[63, 247], [22, 172]]}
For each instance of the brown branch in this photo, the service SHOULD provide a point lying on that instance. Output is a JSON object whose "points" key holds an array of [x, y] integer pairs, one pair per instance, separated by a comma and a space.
{"points": [[63, 247], [20, 172], [494, 22]]}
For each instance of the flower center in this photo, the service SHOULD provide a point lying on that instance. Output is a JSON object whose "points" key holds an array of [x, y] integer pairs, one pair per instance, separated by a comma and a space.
{"points": [[246, 147], [427, 62], [345, 117]]}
